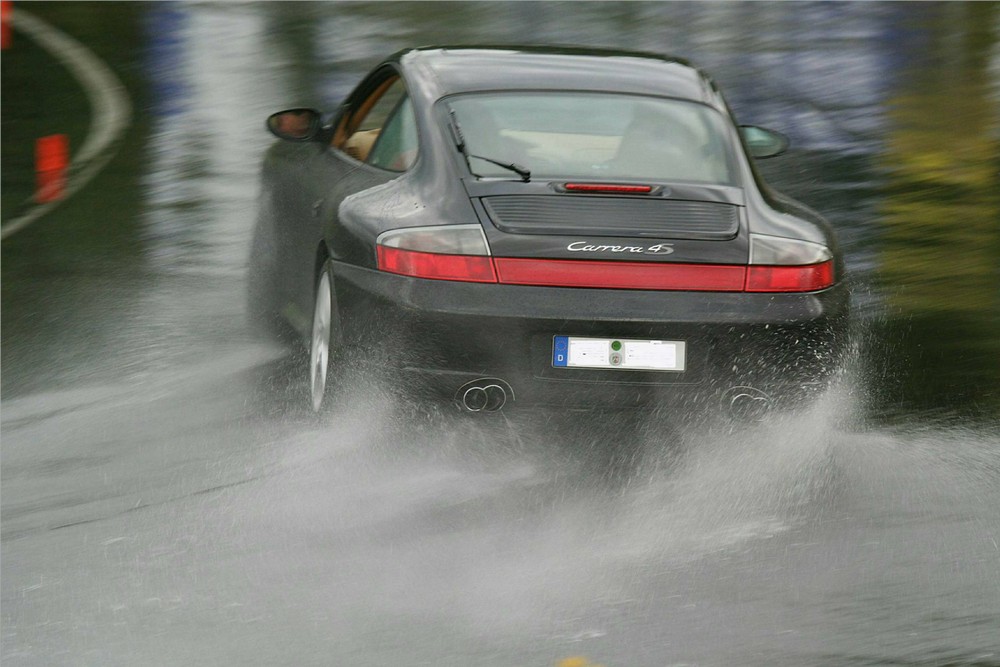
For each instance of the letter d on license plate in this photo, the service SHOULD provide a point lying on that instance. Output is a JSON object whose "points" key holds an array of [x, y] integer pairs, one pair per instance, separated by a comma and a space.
{"points": [[618, 353]]}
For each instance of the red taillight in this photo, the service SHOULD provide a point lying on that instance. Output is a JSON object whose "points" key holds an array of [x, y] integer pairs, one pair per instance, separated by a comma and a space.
{"points": [[470, 268], [808, 278], [607, 275], [461, 253], [609, 188], [620, 275]]}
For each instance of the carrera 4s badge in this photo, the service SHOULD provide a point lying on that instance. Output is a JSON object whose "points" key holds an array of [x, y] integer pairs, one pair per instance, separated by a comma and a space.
{"points": [[657, 249]]}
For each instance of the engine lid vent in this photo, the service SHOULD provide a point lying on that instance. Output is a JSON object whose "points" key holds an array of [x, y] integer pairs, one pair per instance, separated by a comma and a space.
{"points": [[613, 216]]}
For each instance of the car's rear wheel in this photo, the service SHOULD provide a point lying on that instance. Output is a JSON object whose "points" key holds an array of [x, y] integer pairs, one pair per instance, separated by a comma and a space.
{"points": [[321, 343]]}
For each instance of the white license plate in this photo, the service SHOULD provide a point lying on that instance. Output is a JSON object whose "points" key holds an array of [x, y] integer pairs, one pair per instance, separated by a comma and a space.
{"points": [[618, 353]]}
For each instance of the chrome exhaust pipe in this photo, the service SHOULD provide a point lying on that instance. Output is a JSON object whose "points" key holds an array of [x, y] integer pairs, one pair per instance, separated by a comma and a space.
{"points": [[484, 395], [475, 399], [496, 397]]}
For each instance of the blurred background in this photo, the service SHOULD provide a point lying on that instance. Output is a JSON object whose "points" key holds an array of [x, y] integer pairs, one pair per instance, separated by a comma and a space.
{"points": [[892, 109], [160, 506]]}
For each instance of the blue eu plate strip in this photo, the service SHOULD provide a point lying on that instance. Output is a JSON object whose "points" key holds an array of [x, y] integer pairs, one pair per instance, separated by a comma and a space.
{"points": [[560, 350]]}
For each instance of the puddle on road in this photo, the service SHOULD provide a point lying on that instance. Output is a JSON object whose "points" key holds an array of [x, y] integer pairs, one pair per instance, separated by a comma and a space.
{"points": [[378, 532]]}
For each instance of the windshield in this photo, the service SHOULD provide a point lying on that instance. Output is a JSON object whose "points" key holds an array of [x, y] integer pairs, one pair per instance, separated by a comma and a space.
{"points": [[595, 135]]}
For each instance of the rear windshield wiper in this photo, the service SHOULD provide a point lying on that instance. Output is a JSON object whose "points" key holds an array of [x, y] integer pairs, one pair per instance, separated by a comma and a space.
{"points": [[523, 172], [456, 131]]}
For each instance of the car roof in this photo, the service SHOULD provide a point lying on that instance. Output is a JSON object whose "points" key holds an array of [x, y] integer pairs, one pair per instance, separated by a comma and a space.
{"points": [[447, 70]]}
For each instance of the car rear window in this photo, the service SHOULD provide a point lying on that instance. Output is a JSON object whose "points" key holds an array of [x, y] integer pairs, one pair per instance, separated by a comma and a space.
{"points": [[595, 136]]}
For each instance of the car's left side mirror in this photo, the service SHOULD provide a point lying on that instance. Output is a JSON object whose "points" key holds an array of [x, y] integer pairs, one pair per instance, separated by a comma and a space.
{"points": [[295, 124], [763, 142]]}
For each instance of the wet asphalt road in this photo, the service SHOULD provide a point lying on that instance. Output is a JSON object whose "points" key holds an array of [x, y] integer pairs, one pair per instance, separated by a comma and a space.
{"points": [[166, 500]]}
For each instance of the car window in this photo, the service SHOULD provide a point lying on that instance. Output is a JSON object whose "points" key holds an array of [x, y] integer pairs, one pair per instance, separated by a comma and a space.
{"points": [[596, 135], [396, 146], [360, 130], [384, 106]]}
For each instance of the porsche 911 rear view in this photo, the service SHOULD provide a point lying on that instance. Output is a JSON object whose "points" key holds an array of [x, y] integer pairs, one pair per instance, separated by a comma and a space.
{"points": [[533, 227]]}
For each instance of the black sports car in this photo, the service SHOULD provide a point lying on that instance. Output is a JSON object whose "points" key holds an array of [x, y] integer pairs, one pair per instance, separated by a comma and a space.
{"points": [[557, 226]]}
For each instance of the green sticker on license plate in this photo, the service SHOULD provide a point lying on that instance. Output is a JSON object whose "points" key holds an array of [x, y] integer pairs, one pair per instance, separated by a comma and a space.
{"points": [[618, 353]]}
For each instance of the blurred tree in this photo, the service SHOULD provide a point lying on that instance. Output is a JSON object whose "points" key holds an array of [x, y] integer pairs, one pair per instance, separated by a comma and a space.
{"points": [[941, 214]]}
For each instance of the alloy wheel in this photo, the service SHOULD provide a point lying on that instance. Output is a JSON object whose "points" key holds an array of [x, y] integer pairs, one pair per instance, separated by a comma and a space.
{"points": [[319, 349]]}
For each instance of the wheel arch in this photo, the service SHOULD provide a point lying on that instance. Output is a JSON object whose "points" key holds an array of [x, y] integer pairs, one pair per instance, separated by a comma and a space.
{"points": [[322, 254]]}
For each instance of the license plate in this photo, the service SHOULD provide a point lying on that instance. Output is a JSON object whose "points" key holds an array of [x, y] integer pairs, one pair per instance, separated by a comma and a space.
{"points": [[618, 353]]}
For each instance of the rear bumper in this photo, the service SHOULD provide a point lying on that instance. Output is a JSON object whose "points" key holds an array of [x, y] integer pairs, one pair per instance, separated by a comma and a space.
{"points": [[438, 335]]}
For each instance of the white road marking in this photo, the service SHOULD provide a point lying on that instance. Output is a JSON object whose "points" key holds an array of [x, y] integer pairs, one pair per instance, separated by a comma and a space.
{"points": [[111, 110]]}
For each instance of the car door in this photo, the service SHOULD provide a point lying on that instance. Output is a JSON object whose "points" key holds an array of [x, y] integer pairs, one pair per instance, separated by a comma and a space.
{"points": [[373, 143]]}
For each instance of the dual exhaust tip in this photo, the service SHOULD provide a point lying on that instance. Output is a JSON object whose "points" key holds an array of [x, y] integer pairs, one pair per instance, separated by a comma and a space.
{"points": [[747, 404], [484, 395], [491, 395]]}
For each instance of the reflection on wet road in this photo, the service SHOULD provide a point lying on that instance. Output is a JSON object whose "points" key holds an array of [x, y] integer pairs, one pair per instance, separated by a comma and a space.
{"points": [[164, 502]]}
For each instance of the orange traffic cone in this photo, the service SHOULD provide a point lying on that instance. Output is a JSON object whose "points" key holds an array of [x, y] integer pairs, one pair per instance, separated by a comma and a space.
{"points": [[51, 160]]}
